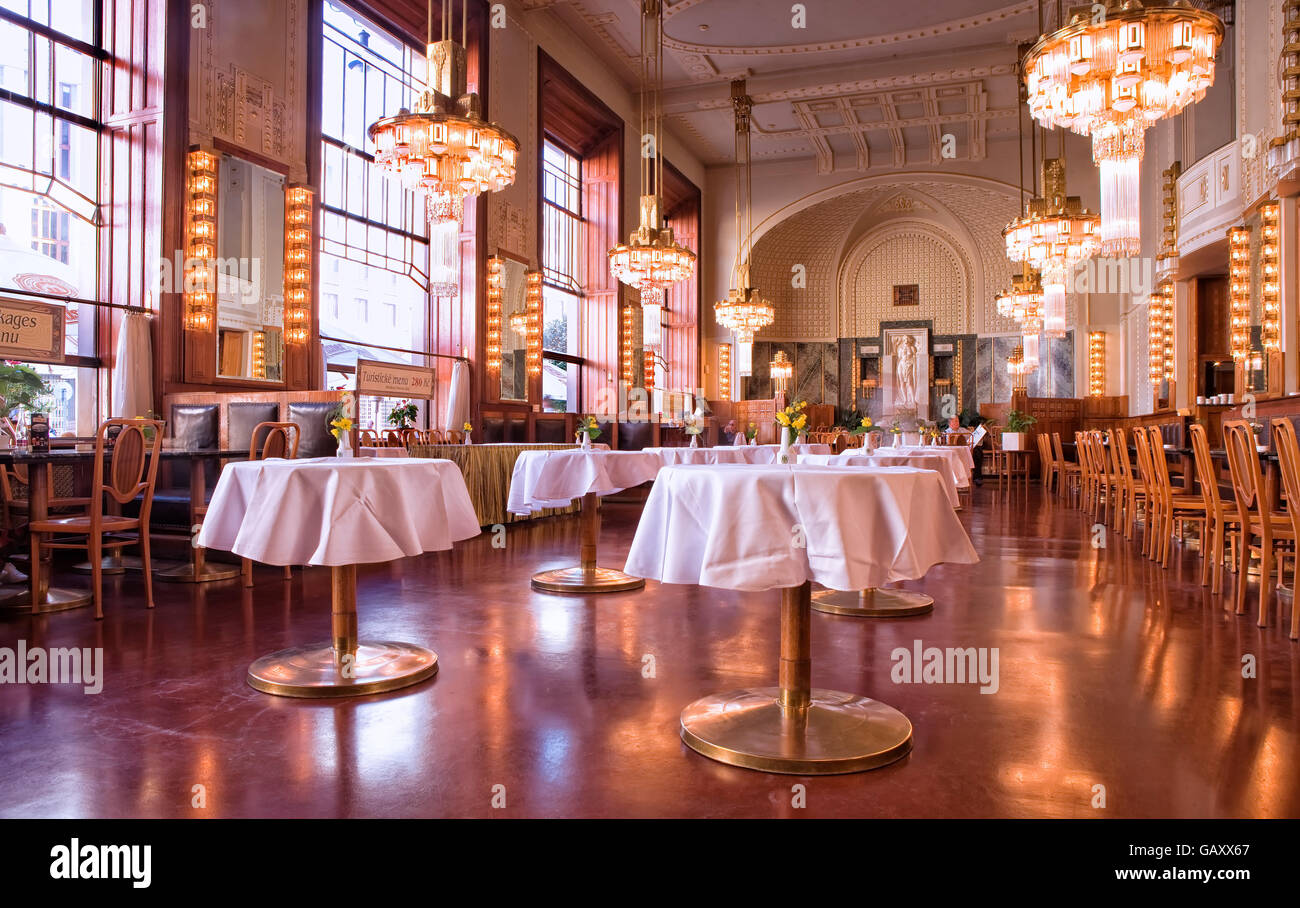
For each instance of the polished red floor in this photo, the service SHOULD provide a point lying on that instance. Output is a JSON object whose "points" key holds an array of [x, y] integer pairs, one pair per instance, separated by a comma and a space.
{"points": [[1113, 672]]}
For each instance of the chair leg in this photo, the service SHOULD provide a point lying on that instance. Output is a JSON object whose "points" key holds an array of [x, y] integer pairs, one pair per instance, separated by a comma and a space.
{"points": [[246, 569], [1207, 554], [1220, 530], [148, 571], [1243, 572], [288, 572], [95, 551], [1266, 593]]}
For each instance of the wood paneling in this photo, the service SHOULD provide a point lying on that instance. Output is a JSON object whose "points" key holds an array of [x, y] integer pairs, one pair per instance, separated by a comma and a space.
{"points": [[681, 346], [570, 113], [602, 179]]}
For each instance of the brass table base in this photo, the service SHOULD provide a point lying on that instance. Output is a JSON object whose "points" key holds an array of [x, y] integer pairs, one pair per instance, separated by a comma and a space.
{"points": [[19, 601], [793, 728], [185, 573], [586, 580], [586, 577], [110, 564], [316, 671], [873, 603], [346, 667], [835, 733]]}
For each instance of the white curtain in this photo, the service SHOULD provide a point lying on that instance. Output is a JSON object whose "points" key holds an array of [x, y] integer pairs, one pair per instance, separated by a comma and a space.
{"points": [[458, 399], [324, 369], [133, 372]]}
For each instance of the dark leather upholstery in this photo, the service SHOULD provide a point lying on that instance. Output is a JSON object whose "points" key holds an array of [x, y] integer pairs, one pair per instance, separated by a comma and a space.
{"points": [[493, 430], [196, 425], [551, 431], [243, 416], [633, 436], [313, 421], [517, 431]]}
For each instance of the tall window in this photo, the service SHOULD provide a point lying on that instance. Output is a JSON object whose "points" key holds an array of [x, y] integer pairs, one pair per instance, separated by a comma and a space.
{"points": [[563, 268], [50, 148], [374, 234]]}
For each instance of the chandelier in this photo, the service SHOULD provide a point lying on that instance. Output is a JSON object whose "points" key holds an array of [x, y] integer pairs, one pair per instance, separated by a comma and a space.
{"points": [[1024, 301], [1055, 234], [444, 148], [743, 311], [782, 370], [1111, 75], [651, 259]]}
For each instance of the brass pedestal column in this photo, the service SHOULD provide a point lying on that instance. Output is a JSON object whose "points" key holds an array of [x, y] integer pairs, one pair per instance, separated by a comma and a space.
{"points": [[873, 602], [347, 667], [795, 728], [586, 577]]}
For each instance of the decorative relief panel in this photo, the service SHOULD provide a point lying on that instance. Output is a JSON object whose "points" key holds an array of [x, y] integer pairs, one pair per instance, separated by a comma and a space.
{"points": [[912, 254]]}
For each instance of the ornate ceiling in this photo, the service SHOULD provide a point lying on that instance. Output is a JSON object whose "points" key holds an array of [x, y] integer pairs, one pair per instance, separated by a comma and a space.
{"points": [[853, 85]]}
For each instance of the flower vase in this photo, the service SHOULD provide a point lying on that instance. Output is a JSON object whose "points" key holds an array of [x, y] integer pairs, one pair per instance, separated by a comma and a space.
{"points": [[783, 456], [802, 439], [898, 439], [585, 441], [695, 441], [467, 439], [754, 440], [345, 445]]}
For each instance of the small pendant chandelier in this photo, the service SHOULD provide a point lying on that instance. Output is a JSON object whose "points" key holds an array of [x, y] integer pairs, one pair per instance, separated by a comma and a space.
{"points": [[444, 148], [651, 258], [1110, 76], [743, 311]]}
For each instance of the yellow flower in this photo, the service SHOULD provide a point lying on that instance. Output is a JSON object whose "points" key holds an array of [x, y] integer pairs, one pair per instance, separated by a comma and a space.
{"points": [[467, 427], [866, 422], [783, 418], [801, 421]]}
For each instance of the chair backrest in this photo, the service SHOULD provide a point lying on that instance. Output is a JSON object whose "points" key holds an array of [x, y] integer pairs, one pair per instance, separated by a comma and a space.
{"points": [[278, 439], [393, 437], [1206, 475], [1083, 446], [368, 438], [1100, 456], [1119, 451], [1288, 462], [1159, 463], [133, 468], [956, 438], [1143, 445], [1243, 465], [1058, 451], [453, 436], [9, 474]]}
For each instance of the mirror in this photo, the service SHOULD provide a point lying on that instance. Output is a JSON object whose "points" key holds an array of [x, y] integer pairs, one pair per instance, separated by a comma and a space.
{"points": [[250, 271], [514, 329]]}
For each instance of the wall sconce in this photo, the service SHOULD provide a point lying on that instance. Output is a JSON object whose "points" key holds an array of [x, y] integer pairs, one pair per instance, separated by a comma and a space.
{"points": [[724, 371], [1017, 368], [649, 367], [495, 284], [1096, 363], [1156, 339], [534, 308], [1270, 303], [200, 242], [628, 321], [782, 371], [299, 213], [259, 354], [1167, 355], [869, 387], [1239, 290]]}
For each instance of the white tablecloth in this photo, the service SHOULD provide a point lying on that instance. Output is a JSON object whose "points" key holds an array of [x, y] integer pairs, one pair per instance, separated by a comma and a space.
{"points": [[944, 466], [723, 454], [764, 454], [552, 479], [734, 527], [337, 511], [384, 452]]}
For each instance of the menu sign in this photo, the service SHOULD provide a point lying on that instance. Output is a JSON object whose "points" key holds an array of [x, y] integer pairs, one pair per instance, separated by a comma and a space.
{"points": [[394, 380], [31, 330]]}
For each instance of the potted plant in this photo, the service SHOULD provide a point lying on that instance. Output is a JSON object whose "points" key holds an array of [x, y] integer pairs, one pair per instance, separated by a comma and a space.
{"points": [[20, 389], [790, 420], [1015, 433], [694, 424], [404, 415], [340, 422], [751, 433]]}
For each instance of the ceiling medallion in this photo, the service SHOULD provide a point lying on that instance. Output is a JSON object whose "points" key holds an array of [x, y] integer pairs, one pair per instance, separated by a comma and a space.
{"points": [[1112, 74]]}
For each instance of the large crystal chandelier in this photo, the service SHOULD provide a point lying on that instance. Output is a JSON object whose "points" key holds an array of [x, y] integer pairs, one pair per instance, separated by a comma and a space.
{"points": [[1109, 75], [1055, 234], [1023, 303], [743, 311], [444, 148], [651, 259]]}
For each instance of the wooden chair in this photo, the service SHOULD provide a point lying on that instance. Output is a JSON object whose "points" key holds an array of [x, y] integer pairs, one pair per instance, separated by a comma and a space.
{"points": [[1133, 490], [280, 442], [1068, 473], [997, 457], [132, 473], [1046, 465], [14, 475], [1174, 509], [369, 438], [1288, 461], [1257, 520], [1223, 518], [453, 436]]}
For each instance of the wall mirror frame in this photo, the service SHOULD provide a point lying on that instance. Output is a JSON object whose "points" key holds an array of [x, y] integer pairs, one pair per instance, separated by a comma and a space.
{"points": [[235, 332], [511, 381]]}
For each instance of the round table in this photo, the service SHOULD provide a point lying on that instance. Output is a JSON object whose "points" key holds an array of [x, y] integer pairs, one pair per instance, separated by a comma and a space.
{"points": [[847, 528], [720, 454], [552, 479], [339, 512], [944, 466]]}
